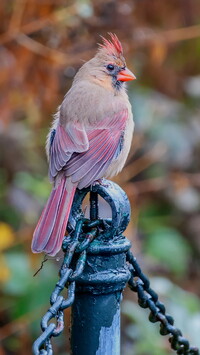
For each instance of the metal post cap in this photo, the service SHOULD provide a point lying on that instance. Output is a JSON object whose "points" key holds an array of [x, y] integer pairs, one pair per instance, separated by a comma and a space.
{"points": [[114, 196]]}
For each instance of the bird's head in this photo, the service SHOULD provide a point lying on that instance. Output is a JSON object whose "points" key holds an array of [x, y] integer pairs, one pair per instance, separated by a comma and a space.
{"points": [[108, 67]]}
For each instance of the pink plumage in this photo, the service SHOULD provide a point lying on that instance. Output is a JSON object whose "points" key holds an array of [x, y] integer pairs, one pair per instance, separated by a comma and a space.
{"points": [[90, 138], [114, 46], [52, 224]]}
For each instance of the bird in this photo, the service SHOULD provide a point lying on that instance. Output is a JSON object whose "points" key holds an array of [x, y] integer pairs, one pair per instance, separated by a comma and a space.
{"points": [[90, 138]]}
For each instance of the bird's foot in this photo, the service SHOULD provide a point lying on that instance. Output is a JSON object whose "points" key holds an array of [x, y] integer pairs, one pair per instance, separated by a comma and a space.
{"points": [[101, 182]]}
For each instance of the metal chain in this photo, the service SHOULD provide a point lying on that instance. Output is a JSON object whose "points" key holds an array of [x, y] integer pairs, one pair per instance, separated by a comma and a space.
{"points": [[84, 233], [72, 267], [148, 298]]}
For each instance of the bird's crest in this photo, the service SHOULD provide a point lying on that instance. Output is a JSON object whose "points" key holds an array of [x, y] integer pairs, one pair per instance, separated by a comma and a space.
{"points": [[113, 46]]}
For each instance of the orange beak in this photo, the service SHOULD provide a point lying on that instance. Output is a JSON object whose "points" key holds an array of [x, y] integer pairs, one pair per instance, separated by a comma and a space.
{"points": [[125, 75]]}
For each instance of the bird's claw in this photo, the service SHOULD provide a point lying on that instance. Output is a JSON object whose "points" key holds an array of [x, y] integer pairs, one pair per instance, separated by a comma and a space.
{"points": [[101, 182]]}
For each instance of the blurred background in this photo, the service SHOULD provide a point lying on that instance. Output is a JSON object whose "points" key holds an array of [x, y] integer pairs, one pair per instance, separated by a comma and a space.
{"points": [[42, 45]]}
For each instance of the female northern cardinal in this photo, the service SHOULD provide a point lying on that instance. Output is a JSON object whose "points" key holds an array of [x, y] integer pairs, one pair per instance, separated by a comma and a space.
{"points": [[90, 138]]}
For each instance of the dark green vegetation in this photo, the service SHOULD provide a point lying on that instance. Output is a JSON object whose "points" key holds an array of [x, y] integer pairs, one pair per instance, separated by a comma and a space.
{"points": [[43, 44]]}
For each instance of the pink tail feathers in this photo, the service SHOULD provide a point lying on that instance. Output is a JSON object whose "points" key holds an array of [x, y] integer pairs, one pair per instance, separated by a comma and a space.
{"points": [[50, 230]]}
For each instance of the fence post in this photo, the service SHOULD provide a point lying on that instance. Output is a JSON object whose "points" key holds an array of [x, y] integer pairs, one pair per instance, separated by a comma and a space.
{"points": [[95, 319]]}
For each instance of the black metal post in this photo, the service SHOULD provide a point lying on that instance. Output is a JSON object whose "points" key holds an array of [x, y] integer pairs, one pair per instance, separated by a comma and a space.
{"points": [[94, 208], [95, 319], [98, 334]]}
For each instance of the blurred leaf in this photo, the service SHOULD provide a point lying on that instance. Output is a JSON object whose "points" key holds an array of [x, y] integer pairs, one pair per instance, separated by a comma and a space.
{"points": [[175, 294], [5, 271], [9, 214], [181, 305], [158, 52], [186, 199], [30, 292], [169, 247], [176, 137], [192, 86], [20, 273], [154, 215], [36, 185], [147, 339], [6, 236]]}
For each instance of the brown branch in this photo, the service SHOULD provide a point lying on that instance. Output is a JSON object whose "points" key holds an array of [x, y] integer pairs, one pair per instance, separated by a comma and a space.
{"points": [[194, 179], [146, 36], [20, 323], [26, 29], [161, 183], [43, 50], [17, 14], [141, 36], [37, 25], [142, 163], [182, 34], [151, 185], [47, 52]]}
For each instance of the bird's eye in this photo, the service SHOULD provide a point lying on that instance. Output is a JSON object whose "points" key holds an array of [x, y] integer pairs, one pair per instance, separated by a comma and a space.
{"points": [[110, 67]]}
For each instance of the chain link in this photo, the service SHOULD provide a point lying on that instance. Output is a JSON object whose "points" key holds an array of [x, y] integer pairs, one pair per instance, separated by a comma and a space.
{"points": [[77, 242], [148, 298]]}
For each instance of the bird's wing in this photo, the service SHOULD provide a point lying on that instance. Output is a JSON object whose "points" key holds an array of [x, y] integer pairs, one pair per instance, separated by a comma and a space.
{"points": [[64, 143], [105, 144], [85, 153]]}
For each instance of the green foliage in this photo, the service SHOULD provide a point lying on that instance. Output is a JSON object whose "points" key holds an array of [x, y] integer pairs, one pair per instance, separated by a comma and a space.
{"points": [[145, 335], [164, 243], [37, 186], [169, 247], [30, 293]]}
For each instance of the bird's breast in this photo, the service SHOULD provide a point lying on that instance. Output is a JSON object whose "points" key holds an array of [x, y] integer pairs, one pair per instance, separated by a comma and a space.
{"points": [[90, 103]]}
